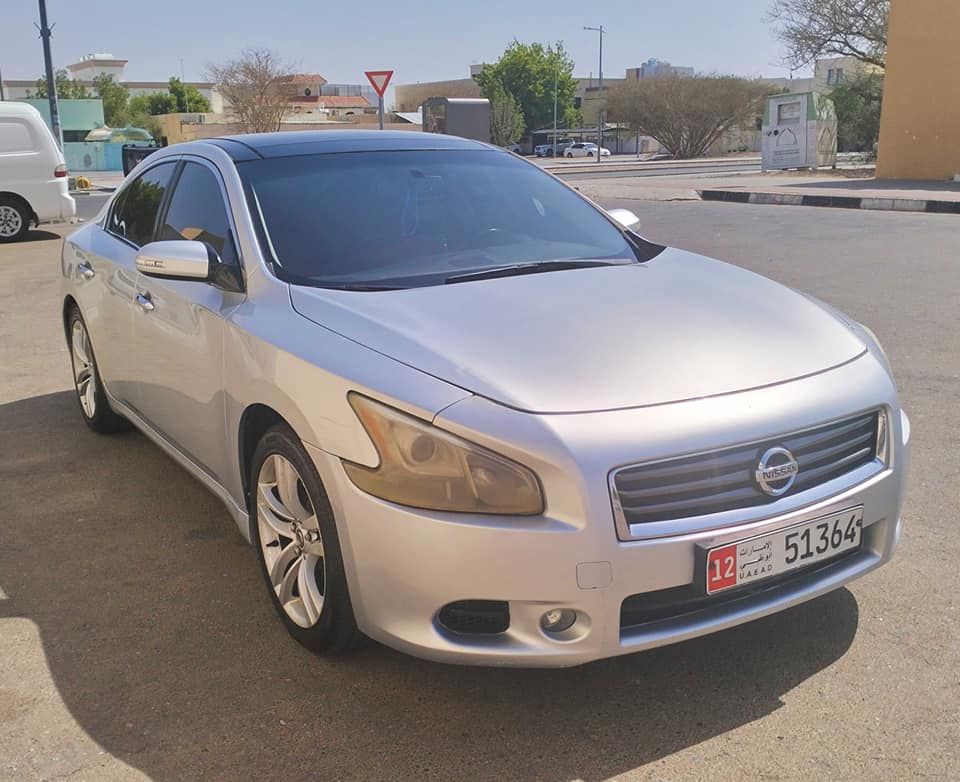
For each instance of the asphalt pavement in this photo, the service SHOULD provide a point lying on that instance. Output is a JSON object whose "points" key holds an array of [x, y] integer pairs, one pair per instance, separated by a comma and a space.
{"points": [[137, 640]]}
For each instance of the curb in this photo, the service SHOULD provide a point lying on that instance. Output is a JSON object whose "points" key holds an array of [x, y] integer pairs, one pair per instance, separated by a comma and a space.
{"points": [[836, 202]]}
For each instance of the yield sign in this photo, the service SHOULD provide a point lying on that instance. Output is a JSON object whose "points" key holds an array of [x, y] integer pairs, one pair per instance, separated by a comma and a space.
{"points": [[379, 80]]}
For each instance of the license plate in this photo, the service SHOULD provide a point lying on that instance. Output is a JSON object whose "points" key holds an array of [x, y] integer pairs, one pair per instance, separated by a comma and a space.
{"points": [[755, 559]]}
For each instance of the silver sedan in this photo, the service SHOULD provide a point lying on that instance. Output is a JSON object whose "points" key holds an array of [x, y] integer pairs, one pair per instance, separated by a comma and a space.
{"points": [[461, 410]]}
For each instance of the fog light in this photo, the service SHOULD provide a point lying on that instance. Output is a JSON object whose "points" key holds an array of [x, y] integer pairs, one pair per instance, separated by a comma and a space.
{"points": [[558, 620]]}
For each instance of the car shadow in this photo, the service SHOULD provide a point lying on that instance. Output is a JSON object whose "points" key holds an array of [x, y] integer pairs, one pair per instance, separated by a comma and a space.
{"points": [[163, 645], [39, 235]]}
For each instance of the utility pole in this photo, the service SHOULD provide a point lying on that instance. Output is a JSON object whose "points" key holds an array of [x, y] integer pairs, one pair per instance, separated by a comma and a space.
{"points": [[556, 76], [51, 82], [1, 86], [600, 83]]}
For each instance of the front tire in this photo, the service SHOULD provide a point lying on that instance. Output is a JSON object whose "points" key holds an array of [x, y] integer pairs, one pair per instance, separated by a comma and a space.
{"points": [[297, 544], [570, 154], [14, 219], [94, 406]]}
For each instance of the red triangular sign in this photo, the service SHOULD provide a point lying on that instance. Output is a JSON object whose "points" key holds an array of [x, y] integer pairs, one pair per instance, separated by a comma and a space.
{"points": [[379, 80]]}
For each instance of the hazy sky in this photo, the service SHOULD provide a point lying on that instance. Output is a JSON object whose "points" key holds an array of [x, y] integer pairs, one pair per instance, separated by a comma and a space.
{"points": [[421, 41]]}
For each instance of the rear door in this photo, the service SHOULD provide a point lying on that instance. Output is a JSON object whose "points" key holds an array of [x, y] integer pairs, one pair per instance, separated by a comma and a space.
{"points": [[179, 337], [105, 275]]}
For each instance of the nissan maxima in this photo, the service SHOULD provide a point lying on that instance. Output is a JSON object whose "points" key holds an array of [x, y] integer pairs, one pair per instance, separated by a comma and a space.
{"points": [[460, 409]]}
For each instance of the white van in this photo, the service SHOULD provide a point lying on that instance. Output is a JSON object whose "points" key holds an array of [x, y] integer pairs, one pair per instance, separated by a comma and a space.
{"points": [[33, 174]]}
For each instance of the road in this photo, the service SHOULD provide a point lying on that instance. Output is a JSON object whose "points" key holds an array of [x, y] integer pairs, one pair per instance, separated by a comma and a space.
{"points": [[137, 642], [583, 171]]}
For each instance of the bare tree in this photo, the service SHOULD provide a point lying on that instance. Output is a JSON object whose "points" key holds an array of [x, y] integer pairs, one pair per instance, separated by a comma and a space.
{"points": [[849, 28], [257, 87], [687, 114]]}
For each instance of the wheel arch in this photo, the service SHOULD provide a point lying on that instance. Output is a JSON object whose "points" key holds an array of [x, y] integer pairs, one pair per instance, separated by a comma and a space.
{"points": [[20, 199], [255, 420], [69, 303]]}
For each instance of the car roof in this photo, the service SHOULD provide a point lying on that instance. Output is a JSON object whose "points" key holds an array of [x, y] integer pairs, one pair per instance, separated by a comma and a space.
{"points": [[13, 108], [320, 142]]}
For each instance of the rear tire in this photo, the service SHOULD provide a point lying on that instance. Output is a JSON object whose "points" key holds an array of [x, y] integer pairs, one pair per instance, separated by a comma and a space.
{"points": [[295, 535], [94, 405], [14, 219]]}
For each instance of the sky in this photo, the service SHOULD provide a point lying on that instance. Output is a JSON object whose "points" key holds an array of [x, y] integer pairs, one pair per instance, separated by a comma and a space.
{"points": [[420, 41]]}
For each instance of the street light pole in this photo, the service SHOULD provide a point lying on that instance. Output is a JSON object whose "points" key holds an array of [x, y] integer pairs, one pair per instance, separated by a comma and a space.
{"points": [[51, 82], [600, 83]]}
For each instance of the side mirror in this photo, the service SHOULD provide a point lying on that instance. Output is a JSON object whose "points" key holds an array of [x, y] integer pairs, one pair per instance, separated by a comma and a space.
{"points": [[625, 217], [179, 259]]}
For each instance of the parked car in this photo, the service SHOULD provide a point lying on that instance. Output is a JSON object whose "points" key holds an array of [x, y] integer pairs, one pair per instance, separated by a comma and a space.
{"points": [[434, 438], [515, 148], [586, 149], [547, 150], [33, 174]]}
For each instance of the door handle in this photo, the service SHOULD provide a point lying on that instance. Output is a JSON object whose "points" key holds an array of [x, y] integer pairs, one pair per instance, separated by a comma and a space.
{"points": [[146, 304], [86, 270]]}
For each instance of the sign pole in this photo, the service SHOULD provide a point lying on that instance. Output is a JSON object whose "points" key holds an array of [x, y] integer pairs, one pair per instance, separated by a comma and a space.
{"points": [[379, 81]]}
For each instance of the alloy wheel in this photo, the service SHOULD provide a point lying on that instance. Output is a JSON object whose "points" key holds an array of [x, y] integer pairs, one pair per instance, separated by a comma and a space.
{"points": [[290, 541], [11, 222], [84, 369]]}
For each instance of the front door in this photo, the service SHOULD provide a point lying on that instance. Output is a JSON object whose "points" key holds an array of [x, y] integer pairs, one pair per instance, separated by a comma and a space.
{"points": [[179, 330], [106, 275]]}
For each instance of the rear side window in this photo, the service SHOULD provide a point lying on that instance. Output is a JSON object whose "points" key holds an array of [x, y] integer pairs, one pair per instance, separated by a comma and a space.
{"points": [[135, 214], [197, 212], [15, 137]]}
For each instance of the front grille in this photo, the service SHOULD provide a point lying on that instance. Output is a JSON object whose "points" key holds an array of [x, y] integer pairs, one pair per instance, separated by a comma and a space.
{"points": [[476, 617], [726, 479]]}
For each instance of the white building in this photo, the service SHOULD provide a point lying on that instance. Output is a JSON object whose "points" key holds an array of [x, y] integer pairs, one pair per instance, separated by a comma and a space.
{"points": [[92, 65]]}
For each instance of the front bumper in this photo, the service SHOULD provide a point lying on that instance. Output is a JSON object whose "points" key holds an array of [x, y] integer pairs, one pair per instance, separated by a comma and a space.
{"points": [[404, 565]]}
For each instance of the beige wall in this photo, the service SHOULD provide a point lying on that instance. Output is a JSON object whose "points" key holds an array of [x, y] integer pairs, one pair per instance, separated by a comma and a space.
{"points": [[920, 127], [183, 127], [409, 97]]}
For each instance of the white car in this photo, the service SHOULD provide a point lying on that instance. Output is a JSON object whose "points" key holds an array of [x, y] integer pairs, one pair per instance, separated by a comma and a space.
{"points": [[586, 149], [33, 173]]}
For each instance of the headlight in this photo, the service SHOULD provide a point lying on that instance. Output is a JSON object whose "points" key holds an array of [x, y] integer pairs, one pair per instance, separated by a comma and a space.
{"points": [[425, 467]]}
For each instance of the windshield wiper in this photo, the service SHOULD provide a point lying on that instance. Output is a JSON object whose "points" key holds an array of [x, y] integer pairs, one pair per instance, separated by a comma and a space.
{"points": [[529, 268], [360, 286]]}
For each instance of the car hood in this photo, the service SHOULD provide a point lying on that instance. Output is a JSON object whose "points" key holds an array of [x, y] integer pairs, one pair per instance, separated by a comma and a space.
{"points": [[675, 328]]}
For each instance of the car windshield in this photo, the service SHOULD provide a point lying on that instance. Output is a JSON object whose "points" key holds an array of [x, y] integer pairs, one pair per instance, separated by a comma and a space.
{"points": [[414, 218]]}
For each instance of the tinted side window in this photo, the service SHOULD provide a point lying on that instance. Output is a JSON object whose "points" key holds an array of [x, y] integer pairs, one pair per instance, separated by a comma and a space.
{"points": [[197, 212], [135, 214]]}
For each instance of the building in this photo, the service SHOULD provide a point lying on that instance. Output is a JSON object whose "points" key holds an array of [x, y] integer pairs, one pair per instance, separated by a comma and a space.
{"points": [[920, 125], [313, 99], [92, 65], [654, 67], [831, 71]]}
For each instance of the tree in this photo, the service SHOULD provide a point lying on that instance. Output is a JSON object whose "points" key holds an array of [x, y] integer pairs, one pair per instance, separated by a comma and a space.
{"points": [[506, 119], [187, 97], [687, 114], [256, 87], [67, 88], [858, 102], [114, 97], [153, 103], [849, 28], [527, 72]]}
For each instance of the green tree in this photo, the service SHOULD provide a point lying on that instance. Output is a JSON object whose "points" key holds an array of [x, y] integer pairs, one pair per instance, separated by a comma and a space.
{"points": [[527, 72], [506, 118], [114, 97], [153, 103], [687, 114], [858, 102], [187, 97], [67, 88]]}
